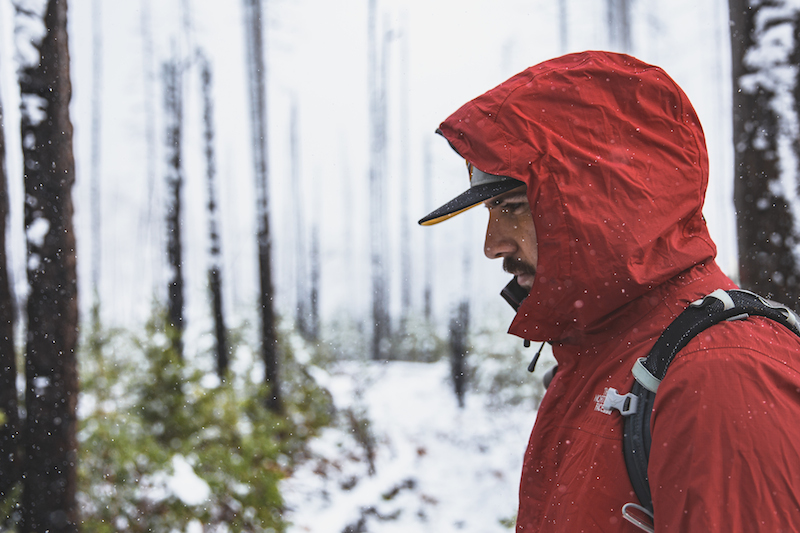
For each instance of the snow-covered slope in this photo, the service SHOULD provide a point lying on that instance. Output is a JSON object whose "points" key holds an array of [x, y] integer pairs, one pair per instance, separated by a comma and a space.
{"points": [[437, 467]]}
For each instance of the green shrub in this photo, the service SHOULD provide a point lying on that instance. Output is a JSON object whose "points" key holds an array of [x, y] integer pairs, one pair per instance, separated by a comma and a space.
{"points": [[414, 340], [499, 365], [147, 412]]}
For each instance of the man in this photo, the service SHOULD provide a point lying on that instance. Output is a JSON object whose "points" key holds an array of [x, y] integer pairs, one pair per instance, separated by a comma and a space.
{"points": [[593, 168]]}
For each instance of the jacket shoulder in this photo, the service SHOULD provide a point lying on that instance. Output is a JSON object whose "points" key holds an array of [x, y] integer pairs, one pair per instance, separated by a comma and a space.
{"points": [[725, 431]]}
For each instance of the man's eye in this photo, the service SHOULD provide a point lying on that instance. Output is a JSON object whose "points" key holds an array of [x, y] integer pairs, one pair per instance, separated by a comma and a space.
{"points": [[512, 208]]}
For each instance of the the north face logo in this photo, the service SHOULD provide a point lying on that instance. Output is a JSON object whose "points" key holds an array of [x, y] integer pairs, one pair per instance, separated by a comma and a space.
{"points": [[599, 400]]}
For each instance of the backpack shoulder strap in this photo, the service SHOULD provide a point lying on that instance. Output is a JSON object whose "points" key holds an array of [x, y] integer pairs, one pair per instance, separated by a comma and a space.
{"points": [[649, 371]]}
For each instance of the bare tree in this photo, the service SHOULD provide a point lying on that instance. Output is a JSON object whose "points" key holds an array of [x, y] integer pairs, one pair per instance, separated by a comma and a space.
{"points": [[151, 225], [316, 268], [406, 274], [215, 248], [563, 26], [298, 202], [48, 499], [257, 78], [381, 328], [459, 332], [96, 159], [427, 194], [765, 126], [9, 417], [173, 110], [619, 24]]}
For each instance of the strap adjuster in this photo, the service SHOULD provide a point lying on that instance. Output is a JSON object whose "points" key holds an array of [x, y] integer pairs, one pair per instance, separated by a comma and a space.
{"points": [[644, 377], [624, 403]]}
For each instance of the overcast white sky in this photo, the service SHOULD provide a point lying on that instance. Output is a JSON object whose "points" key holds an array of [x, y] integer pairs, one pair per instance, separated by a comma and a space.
{"points": [[449, 50]]}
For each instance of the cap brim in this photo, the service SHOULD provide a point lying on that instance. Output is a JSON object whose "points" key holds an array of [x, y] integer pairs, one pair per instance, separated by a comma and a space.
{"points": [[469, 199]]}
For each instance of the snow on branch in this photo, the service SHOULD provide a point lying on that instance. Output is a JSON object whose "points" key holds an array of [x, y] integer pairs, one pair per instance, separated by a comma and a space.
{"points": [[772, 68], [29, 31]]}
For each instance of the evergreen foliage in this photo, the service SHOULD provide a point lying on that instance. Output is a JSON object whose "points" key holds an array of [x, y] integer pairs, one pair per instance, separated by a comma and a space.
{"points": [[348, 339], [498, 368], [147, 412]]}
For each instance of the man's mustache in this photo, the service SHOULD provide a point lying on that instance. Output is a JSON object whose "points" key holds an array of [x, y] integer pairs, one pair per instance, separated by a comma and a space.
{"points": [[516, 266]]}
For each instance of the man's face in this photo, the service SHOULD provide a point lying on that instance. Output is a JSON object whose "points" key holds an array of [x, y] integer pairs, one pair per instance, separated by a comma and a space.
{"points": [[511, 235]]}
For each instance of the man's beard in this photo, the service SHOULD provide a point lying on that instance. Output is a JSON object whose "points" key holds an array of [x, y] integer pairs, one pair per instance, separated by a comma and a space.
{"points": [[516, 266]]}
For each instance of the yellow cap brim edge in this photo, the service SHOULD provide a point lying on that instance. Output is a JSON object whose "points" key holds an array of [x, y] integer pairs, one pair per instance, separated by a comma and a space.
{"points": [[442, 218]]}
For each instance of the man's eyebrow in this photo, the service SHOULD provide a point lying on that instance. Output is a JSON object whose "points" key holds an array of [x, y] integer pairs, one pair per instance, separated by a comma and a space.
{"points": [[500, 200]]}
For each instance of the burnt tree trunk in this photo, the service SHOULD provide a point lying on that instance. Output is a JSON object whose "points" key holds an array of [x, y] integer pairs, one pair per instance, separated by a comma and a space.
{"points": [[48, 499], [173, 108], [765, 114], [618, 13], [258, 101], [215, 252], [151, 229], [459, 332], [316, 273], [302, 293], [96, 160], [427, 194], [9, 425], [563, 26], [377, 157], [406, 271]]}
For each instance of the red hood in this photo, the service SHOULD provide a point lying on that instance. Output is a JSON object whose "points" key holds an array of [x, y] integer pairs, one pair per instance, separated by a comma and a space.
{"points": [[616, 166]]}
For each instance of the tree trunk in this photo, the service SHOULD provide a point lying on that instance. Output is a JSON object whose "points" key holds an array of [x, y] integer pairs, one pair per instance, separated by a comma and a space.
{"points": [[377, 155], [48, 501], [151, 225], [563, 26], [215, 252], [258, 101], [459, 330], [459, 333], [406, 272], [96, 159], [766, 150], [427, 194], [316, 273], [619, 26], [173, 108], [300, 269], [9, 425]]}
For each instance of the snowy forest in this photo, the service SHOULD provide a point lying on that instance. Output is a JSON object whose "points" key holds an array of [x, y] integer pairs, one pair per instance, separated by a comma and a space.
{"points": [[217, 310]]}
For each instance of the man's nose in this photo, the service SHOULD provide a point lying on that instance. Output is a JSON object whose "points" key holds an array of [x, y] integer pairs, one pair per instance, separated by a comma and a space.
{"points": [[498, 243]]}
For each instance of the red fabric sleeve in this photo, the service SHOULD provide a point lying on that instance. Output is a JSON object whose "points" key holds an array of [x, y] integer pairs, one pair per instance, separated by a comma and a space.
{"points": [[725, 454]]}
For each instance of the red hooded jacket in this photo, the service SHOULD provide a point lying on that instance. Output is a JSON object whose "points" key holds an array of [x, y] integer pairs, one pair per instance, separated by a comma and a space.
{"points": [[615, 162]]}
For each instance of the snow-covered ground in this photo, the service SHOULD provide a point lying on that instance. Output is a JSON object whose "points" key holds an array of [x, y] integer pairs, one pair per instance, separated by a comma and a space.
{"points": [[437, 467]]}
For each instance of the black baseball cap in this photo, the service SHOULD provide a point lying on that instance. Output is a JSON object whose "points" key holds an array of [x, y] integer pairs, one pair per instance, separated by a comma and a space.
{"points": [[482, 186]]}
